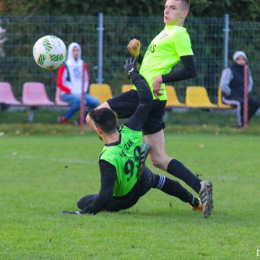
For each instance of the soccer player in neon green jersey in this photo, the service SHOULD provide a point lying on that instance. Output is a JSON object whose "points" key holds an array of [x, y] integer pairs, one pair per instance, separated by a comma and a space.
{"points": [[121, 187], [168, 48]]}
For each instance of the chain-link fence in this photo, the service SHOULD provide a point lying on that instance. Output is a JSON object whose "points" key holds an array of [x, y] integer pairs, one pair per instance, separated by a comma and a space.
{"points": [[17, 65], [245, 36], [207, 42]]}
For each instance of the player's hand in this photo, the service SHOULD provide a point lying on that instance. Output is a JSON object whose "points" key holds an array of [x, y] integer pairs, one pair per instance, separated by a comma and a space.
{"points": [[71, 213], [157, 87], [130, 65], [134, 47]]}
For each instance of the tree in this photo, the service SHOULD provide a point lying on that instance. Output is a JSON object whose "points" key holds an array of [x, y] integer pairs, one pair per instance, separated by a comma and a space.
{"points": [[243, 10]]}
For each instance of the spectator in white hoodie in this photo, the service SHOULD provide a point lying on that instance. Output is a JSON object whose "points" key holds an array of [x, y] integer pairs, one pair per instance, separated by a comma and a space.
{"points": [[70, 82]]}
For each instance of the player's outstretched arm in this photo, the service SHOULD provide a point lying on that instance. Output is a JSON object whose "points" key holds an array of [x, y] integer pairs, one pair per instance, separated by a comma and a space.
{"points": [[188, 71], [145, 97], [134, 47], [105, 196]]}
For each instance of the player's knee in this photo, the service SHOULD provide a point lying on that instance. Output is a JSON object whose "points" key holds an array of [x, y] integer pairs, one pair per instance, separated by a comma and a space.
{"points": [[157, 162], [80, 204], [160, 161]]}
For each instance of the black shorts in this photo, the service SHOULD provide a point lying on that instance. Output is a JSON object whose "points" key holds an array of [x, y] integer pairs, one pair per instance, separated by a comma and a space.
{"points": [[142, 186], [125, 104]]}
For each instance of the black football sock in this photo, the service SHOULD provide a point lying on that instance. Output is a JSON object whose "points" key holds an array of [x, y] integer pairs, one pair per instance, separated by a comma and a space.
{"points": [[178, 170], [173, 188], [194, 202]]}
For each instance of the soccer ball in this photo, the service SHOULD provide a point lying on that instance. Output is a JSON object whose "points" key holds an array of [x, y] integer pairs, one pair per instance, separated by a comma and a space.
{"points": [[49, 52]]}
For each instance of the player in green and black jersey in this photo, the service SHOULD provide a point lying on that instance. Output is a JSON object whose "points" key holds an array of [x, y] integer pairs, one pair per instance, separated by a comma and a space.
{"points": [[121, 187], [171, 46]]}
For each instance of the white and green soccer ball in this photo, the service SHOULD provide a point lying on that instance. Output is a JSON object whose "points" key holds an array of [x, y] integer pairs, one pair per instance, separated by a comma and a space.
{"points": [[49, 52]]}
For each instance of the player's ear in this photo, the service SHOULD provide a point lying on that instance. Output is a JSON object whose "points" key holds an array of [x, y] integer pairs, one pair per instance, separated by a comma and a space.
{"points": [[185, 13], [99, 131]]}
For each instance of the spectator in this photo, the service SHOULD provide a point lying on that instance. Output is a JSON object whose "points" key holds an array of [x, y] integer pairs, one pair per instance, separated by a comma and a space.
{"points": [[232, 86], [70, 82]]}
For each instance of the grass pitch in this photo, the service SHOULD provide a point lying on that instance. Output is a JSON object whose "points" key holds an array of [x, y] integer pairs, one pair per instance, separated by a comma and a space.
{"points": [[41, 175]]}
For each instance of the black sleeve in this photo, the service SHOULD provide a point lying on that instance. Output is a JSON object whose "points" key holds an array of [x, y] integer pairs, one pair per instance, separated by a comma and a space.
{"points": [[145, 97], [140, 58], [105, 196], [189, 70]]}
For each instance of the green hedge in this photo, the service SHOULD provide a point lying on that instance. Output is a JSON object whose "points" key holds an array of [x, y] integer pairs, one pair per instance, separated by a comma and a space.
{"points": [[248, 10]]}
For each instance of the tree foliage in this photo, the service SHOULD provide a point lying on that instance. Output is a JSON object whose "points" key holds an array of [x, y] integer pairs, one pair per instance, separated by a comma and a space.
{"points": [[242, 10]]}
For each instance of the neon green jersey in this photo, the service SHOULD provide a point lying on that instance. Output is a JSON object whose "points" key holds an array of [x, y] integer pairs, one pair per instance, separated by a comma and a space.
{"points": [[124, 155], [164, 52]]}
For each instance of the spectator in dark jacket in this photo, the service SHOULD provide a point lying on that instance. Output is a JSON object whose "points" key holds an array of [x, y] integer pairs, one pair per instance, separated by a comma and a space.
{"points": [[232, 86]]}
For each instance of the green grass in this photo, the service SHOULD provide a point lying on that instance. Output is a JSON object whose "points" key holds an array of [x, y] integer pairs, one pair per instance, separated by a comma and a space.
{"points": [[36, 185], [194, 120]]}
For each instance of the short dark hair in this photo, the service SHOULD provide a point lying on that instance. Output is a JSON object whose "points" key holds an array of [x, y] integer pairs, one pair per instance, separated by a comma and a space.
{"points": [[186, 4], [105, 119]]}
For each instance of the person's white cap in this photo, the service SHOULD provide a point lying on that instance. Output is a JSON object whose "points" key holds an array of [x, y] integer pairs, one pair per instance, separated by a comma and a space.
{"points": [[237, 54]]}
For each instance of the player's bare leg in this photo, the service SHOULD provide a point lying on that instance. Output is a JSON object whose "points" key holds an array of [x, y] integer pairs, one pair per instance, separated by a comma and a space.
{"points": [[157, 154], [162, 161], [166, 163]]}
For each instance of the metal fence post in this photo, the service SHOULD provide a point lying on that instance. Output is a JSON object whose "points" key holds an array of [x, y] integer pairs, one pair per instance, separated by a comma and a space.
{"points": [[226, 34], [100, 48]]}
